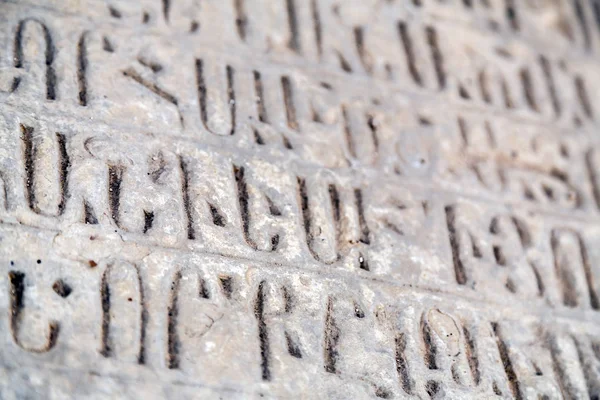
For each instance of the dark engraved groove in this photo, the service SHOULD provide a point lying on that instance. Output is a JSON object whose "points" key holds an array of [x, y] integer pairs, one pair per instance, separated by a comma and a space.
{"points": [[409, 53], [107, 45], [62, 288], [362, 262], [294, 42], [263, 334], [173, 343], [588, 369], [148, 220], [335, 206], [436, 55], [18, 46], [105, 346], [166, 9], [549, 77], [596, 10], [492, 140], [241, 19], [348, 132], [114, 12], [203, 289], [475, 248], [131, 73], [16, 292], [569, 295], [286, 142], [358, 311], [463, 93], [511, 14], [359, 41], [273, 209], [288, 99], [274, 242], [462, 128], [538, 280], [157, 167], [306, 216], [64, 164], [564, 273], [258, 137], [496, 389], [522, 231], [362, 221], [581, 19], [151, 65], [185, 191], [344, 64], [49, 55], [334, 198], [508, 102], [511, 376], [459, 269], [293, 348], [583, 97], [560, 370], [499, 256], [316, 16], [29, 154], [226, 283], [528, 89], [589, 277], [105, 299], [330, 338], [473, 360], [402, 364], [231, 96], [50, 74], [432, 388], [217, 218], [260, 102], [243, 199], [430, 348], [15, 84], [203, 98], [287, 299], [143, 320], [82, 64], [373, 128], [115, 179], [484, 87], [5, 189]]}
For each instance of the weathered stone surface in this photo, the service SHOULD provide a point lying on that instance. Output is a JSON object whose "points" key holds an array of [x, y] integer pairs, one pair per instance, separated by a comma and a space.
{"points": [[299, 199]]}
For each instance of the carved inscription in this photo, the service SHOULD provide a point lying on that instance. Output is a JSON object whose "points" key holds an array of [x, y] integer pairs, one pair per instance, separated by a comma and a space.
{"points": [[421, 352], [380, 199]]}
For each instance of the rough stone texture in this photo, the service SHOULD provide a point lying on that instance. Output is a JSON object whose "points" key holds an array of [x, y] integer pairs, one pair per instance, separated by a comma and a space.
{"points": [[299, 199]]}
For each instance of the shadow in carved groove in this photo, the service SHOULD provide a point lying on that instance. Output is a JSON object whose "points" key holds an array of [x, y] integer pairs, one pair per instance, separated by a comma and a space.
{"points": [[49, 56], [129, 282], [16, 280]]}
